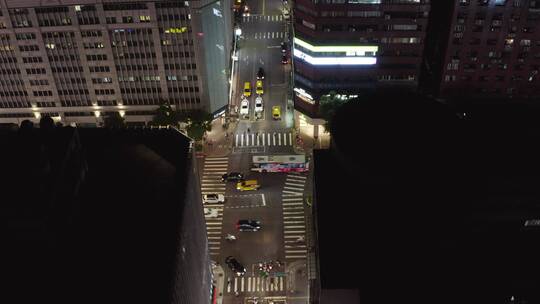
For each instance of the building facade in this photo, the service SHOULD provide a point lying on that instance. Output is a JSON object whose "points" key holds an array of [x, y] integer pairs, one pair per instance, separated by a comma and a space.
{"points": [[78, 62], [354, 46], [491, 49]]}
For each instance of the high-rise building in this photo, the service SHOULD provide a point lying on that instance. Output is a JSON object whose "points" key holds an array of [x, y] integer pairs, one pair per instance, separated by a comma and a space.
{"points": [[352, 46], [484, 48], [78, 62]]}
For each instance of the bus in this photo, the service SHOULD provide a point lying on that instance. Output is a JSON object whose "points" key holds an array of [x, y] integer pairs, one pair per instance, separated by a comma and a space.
{"points": [[280, 163]]}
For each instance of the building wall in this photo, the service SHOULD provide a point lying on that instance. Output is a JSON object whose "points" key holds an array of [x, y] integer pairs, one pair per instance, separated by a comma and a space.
{"points": [[493, 50], [214, 17], [193, 270], [392, 33], [78, 62]]}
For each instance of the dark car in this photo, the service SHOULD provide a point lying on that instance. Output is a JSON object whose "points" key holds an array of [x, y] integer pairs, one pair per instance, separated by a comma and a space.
{"points": [[284, 47], [232, 176], [235, 266], [284, 59], [248, 225], [260, 73]]}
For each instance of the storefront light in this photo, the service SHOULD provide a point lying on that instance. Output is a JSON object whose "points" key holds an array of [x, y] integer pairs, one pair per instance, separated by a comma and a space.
{"points": [[335, 60]]}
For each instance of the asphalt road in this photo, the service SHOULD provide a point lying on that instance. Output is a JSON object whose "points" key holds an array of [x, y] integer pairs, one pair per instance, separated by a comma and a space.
{"points": [[262, 33]]}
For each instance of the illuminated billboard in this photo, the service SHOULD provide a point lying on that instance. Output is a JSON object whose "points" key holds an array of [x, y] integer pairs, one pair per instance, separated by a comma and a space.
{"points": [[352, 55]]}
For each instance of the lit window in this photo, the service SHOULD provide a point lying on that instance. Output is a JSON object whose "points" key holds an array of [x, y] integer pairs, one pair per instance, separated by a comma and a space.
{"points": [[50, 46]]}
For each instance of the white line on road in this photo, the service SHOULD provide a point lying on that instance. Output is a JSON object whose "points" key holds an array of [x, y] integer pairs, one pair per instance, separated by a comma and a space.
{"points": [[290, 139], [279, 139], [293, 204], [295, 227], [296, 176], [295, 256], [292, 199], [294, 231], [216, 158], [293, 188], [293, 222], [242, 286], [295, 183], [264, 200]]}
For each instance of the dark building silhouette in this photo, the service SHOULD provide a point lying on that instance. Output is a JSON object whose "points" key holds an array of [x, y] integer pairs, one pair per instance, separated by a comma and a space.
{"points": [[421, 203], [483, 49], [97, 215]]}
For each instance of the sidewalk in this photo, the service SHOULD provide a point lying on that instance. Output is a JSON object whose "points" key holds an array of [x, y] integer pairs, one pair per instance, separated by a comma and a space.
{"points": [[218, 142], [219, 282], [296, 279]]}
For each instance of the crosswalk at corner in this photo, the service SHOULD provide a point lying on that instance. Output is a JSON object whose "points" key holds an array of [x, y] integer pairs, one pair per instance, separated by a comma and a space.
{"points": [[263, 139], [267, 18], [269, 35], [294, 221], [214, 168], [255, 284]]}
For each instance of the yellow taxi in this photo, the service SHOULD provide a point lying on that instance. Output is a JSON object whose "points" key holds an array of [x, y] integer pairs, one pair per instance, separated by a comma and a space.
{"points": [[259, 88], [248, 185], [247, 89], [276, 112]]}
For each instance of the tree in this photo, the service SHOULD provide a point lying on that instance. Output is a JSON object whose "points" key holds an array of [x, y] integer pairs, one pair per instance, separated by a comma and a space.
{"points": [[114, 120], [199, 122], [165, 116], [328, 106]]}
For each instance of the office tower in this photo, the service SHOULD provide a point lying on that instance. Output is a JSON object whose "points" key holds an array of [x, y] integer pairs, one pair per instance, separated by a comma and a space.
{"points": [[79, 62], [355, 46], [484, 49]]}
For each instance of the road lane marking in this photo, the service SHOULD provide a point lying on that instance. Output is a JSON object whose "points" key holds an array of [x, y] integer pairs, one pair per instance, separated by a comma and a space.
{"points": [[279, 139], [296, 176], [294, 231], [264, 201], [242, 286]]}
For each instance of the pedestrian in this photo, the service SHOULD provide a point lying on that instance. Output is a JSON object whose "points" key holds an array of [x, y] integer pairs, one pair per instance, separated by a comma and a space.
{"points": [[248, 130]]}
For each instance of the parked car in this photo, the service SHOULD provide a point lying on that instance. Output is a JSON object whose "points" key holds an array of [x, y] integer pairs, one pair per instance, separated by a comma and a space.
{"points": [[210, 212], [232, 176], [235, 266], [213, 198], [244, 107], [258, 104], [260, 73], [284, 59], [248, 185], [248, 225], [286, 14]]}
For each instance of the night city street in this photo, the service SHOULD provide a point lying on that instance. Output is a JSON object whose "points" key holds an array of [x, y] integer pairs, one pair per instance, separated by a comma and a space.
{"points": [[270, 151]]}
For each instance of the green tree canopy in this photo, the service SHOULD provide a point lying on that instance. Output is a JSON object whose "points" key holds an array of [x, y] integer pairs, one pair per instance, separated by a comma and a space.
{"points": [[165, 116], [199, 122], [328, 106]]}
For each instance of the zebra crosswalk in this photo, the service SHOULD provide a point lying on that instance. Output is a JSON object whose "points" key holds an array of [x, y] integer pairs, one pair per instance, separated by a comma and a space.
{"points": [[255, 284], [294, 222], [269, 35], [214, 168], [263, 139], [267, 18]]}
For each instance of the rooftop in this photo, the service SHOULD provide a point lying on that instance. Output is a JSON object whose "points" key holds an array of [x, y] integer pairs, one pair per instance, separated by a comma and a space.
{"points": [[115, 240], [430, 206]]}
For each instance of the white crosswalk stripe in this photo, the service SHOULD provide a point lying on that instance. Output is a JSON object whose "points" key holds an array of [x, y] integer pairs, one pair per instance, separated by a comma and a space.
{"points": [[256, 284], [213, 169], [264, 18], [262, 139], [294, 224], [269, 35]]}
